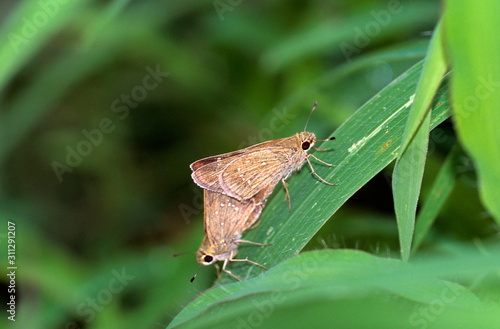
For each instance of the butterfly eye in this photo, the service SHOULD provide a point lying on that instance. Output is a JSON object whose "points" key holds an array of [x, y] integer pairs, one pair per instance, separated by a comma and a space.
{"points": [[306, 145], [208, 259]]}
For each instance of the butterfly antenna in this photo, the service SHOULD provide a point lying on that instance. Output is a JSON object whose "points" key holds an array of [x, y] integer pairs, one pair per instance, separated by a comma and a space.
{"points": [[183, 253], [325, 140], [194, 276], [310, 113]]}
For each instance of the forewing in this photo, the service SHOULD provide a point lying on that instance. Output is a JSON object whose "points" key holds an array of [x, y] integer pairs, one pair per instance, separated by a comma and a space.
{"points": [[225, 217], [206, 171], [252, 172], [216, 158]]}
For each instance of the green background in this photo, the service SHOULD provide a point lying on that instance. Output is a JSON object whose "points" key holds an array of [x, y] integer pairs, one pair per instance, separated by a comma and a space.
{"points": [[95, 237]]}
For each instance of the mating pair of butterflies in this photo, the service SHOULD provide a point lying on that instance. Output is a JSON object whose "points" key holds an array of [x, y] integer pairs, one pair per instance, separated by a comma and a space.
{"points": [[236, 186]]}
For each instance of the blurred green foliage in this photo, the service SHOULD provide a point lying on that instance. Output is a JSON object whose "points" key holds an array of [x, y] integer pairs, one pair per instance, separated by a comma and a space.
{"points": [[104, 104]]}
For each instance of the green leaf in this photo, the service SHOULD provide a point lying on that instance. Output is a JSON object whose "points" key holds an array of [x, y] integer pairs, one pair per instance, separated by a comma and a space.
{"points": [[409, 169], [439, 193], [406, 183], [347, 287], [351, 35], [474, 47], [366, 143], [25, 39], [24, 36]]}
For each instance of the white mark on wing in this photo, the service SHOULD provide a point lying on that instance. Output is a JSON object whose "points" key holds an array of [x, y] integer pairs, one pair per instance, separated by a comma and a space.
{"points": [[222, 205]]}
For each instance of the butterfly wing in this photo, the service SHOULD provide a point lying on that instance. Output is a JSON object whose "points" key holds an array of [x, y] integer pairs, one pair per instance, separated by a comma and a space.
{"points": [[225, 217], [252, 172], [216, 158], [206, 171], [260, 200]]}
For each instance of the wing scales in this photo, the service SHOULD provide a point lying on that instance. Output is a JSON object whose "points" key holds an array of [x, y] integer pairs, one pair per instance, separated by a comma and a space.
{"points": [[225, 217], [250, 173]]}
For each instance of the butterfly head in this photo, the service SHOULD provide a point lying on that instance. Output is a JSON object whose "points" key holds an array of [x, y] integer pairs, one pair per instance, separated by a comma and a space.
{"points": [[306, 140], [206, 259], [209, 254]]}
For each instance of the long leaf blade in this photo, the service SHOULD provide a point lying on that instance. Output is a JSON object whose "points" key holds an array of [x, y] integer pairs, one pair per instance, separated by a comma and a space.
{"points": [[335, 277], [475, 50], [409, 169], [439, 193]]}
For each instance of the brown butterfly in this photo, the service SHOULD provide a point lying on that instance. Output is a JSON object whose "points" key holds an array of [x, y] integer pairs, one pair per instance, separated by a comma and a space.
{"points": [[242, 174], [225, 219]]}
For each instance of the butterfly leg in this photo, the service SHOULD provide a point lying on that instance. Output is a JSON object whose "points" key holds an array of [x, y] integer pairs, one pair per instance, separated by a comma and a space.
{"points": [[321, 150], [314, 172], [287, 195], [255, 243], [248, 261], [318, 159], [228, 271], [231, 259], [218, 271]]}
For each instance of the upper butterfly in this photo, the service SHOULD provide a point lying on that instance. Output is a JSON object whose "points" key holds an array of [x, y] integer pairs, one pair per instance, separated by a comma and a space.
{"points": [[242, 174]]}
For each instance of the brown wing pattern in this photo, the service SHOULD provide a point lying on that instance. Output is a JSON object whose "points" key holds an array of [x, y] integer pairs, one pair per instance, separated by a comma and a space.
{"points": [[225, 217], [207, 177], [216, 158], [251, 173], [206, 171], [238, 175], [259, 199]]}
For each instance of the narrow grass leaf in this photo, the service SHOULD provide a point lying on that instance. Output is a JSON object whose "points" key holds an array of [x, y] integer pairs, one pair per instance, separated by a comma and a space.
{"points": [[439, 193], [409, 169]]}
